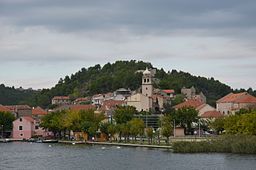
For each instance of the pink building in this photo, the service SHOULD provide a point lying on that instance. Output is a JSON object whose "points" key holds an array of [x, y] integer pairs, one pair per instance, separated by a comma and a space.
{"points": [[23, 127]]}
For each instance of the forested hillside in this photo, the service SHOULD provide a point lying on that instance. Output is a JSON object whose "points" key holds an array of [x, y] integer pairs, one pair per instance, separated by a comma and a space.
{"points": [[10, 95], [108, 78]]}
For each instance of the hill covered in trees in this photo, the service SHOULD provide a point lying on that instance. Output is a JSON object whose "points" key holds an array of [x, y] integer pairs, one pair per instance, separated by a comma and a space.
{"points": [[10, 95], [108, 78]]}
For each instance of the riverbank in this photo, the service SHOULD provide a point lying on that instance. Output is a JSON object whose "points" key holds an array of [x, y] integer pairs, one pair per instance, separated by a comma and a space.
{"points": [[130, 145], [239, 144]]}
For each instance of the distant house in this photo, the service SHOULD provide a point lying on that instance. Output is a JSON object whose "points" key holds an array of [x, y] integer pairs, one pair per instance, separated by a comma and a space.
{"points": [[81, 107], [169, 92], [37, 114], [4, 109], [75, 107], [204, 110], [98, 99], [82, 100], [109, 106], [188, 92], [232, 103], [26, 127], [189, 103], [60, 100], [20, 110], [23, 128], [122, 94], [211, 115]]}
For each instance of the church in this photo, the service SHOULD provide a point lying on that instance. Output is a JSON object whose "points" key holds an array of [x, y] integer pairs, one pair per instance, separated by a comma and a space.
{"points": [[148, 99]]}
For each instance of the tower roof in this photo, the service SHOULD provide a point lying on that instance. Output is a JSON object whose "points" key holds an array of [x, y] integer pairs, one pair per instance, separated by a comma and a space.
{"points": [[146, 71]]}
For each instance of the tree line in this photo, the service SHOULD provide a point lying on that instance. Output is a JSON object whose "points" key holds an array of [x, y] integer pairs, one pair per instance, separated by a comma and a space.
{"points": [[110, 77]]}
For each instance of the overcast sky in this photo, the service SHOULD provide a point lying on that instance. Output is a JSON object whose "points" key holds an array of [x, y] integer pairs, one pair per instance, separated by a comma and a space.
{"points": [[44, 40]]}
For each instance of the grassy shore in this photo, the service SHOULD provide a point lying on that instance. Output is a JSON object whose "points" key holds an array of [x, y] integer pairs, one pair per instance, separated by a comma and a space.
{"points": [[240, 144]]}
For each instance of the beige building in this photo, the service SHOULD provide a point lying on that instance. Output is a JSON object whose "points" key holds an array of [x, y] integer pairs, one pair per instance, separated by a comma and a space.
{"points": [[140, 102], [188, 92], [232, 103], [61, 100], [143, 101]]}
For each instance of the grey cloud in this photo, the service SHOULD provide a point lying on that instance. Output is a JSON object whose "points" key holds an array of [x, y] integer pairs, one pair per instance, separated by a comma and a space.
{"points": [[139, 16]]}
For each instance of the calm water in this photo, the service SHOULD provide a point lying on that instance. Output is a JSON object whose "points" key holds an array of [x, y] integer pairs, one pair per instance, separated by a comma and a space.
{"points": [[38, 156]]}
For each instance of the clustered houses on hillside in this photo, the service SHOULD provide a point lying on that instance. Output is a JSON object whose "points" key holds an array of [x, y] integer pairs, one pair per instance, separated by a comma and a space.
{"points": [[146, 98]]}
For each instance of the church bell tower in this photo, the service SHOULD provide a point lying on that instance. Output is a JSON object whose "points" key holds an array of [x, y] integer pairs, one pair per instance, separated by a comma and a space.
{"points": [[147, 84]]}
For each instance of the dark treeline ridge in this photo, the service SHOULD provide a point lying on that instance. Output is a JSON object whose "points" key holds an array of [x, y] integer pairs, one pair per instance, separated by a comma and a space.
{"points": [[108, 78], [10, 95]]}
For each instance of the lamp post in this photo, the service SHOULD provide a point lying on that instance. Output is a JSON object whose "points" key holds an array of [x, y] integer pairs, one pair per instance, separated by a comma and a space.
{"points": [[174, 129], [2, 128], [199, 133]]}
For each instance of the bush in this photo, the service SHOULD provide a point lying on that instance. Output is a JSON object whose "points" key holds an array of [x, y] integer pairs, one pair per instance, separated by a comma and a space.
{"points": [[241, 144]]}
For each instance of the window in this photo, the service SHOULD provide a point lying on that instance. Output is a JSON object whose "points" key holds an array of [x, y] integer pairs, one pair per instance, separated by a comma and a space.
{"points": [[147, 80], [20, 127], [21, 134], [144, 80], [20, 119], [146, 88]]}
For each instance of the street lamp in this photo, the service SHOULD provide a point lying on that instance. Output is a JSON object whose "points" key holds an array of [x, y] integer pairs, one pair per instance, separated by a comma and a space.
{"points": [[199, 133], [2, 127]]}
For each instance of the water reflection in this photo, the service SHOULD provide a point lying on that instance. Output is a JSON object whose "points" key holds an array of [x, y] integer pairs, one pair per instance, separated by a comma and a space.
{"points": [[58, 156]]}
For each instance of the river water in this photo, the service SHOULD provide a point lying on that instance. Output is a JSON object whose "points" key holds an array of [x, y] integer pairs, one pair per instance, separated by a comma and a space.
{"points": [[37, 156]]}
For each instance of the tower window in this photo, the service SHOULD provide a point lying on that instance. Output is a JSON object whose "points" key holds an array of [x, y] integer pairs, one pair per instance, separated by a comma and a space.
{"points": [[144, 80], [147, 80], [146, 88]]}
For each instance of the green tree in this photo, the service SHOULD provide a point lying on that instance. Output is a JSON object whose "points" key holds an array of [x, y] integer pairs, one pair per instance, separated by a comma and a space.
{"points": [[136, 127], [112, 129], [6, 119], [123, 114], [218, 125], [184, 117], [150, 133], [166, 128]]}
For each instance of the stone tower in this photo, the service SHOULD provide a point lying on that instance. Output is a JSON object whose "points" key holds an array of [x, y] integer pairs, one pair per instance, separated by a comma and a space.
{"points": [[147, 84]]}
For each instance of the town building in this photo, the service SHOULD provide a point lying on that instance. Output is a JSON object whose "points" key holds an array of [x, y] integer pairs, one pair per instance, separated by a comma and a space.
{"points": [[204, 110], [83, 100], [188, 92], [23, 127], [148, 98], [232, 103], [37, 114], [143, 101], [20, 110], [61, 100]]}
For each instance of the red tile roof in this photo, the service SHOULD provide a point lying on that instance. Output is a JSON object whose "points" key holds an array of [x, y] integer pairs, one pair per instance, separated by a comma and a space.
{"points": [[38, 111], [82, 107], [60, 98], [112, 103], [189, 103], [82, 99], [4, 109], [18, 107], [168, 91], [237, 98], [211, 114]]}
